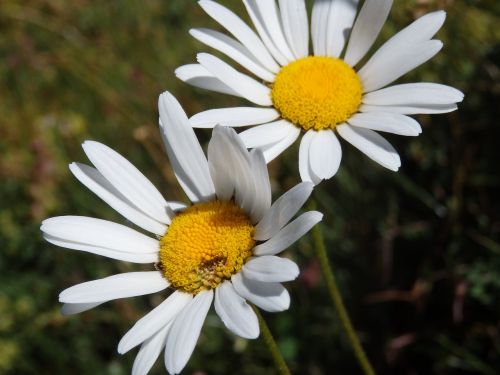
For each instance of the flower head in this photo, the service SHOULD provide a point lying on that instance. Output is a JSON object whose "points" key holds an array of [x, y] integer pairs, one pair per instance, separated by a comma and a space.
{"points": [[322, 94], [221, 248]]}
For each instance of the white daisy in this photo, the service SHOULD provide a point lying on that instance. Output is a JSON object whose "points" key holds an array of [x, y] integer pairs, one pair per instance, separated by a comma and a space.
{"points": [[323, 93], [224, 244]]}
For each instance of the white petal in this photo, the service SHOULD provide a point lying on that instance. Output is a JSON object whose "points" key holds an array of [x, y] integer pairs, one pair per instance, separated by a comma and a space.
{"points": [[95, 181], [270, 269], [372, 145], [289, 234], [123, 285], [105, 252], [388, 64], [235, 313], [245, 191], [282, 210], [236, 116], [128, 180], [306, 173], [246, 86], [419, 94], [219, 164], [324, 154], [386, 122], [155, 320], [236, 171], [150, 350], [272, 297], [198, 76], [273, 150], [268, 12], [185, 331], [190, 168], [234, 50], [272, 20], [319, 26], [340, 19], [295, 26], [421, 30], [409, 109], [262, 135], [407, 49], [369, 22], [76, 308], [177, 206], [232, 23], [260, 25], [100, 233], [235, 167], [260, 176]]}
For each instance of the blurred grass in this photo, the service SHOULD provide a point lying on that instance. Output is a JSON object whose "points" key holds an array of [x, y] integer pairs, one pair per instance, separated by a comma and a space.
{"points": [[417, 253]]}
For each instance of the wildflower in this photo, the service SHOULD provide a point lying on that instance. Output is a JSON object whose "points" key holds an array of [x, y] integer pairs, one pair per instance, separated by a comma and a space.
{"points": [[222, 248], [323, 94]]}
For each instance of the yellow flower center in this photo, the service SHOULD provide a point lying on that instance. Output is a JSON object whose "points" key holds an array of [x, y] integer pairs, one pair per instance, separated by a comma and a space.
{"points": [[317, 92], [205, 245]]}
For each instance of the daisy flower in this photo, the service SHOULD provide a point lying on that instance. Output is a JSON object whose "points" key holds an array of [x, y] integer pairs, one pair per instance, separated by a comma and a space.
{"points": [[221, 248], [323, 94]]}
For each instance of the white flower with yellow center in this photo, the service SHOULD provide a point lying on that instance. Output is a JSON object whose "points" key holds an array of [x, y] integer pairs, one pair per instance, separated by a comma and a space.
{"points": [[223, 247], [323, 93]]}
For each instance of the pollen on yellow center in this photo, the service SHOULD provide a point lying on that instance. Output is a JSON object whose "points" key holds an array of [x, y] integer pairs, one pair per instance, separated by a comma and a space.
{"points": [[317, 92], [205, 245]]}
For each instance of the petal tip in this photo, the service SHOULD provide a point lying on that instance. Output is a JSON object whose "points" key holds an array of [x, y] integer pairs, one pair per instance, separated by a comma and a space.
{"points": [[122, 347], [394, 167], [319, 215], [438, 43], [166, 95], [202, 56], [296, 271], [89, 144], [286, 303], [45, 222], [180, 73], [253, 336], [441, 13]]}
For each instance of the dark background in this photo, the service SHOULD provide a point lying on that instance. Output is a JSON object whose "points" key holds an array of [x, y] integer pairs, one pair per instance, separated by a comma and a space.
{"points": [[417, 253]]}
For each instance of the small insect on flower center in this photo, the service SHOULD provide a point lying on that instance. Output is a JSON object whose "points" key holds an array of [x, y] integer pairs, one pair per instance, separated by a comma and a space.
{"points": [[205, 245], [317, 92]]}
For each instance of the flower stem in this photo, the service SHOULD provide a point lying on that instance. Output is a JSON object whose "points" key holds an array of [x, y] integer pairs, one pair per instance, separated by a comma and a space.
{"points": [[279, 361], [338, 303]]}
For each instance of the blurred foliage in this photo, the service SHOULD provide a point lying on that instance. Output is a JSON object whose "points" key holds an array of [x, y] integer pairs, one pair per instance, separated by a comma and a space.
{"points": [[417, 252]]}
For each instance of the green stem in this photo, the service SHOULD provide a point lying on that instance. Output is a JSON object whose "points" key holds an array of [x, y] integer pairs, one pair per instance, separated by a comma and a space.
{"points": [[279, 361], [339, 304]]}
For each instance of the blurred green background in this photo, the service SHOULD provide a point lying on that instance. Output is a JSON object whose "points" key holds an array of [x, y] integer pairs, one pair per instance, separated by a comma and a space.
{"points": [[417, 253]]}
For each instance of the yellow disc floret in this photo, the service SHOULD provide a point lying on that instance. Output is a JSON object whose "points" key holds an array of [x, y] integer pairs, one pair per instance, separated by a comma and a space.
{"points": [[205, 245], [317, 92]]}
